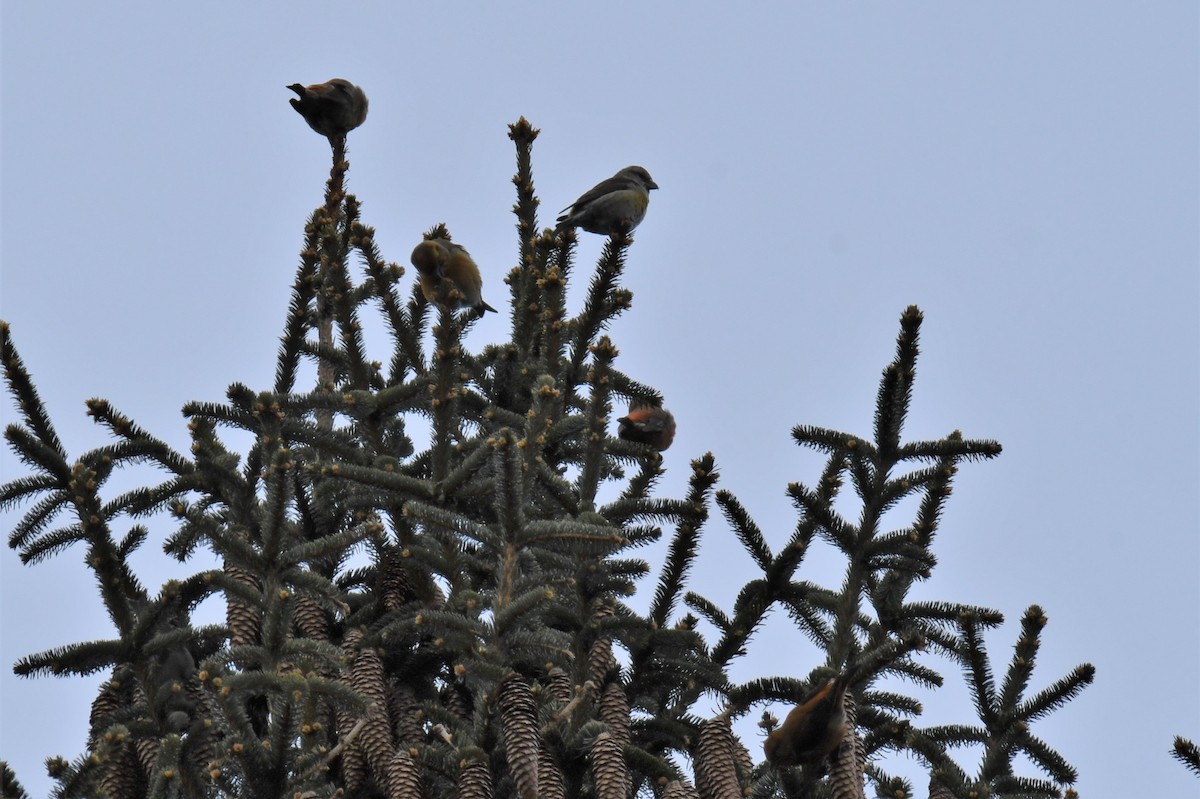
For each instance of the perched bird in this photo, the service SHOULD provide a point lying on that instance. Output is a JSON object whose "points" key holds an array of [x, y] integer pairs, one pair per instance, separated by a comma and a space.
{"points": [[813, 730], [440, 262], [647, 424], [332, 108], [611, 205]]}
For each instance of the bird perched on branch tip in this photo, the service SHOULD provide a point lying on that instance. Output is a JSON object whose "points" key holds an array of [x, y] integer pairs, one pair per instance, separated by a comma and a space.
{"points": [[612, 206], [332, 108], [443, 266]]}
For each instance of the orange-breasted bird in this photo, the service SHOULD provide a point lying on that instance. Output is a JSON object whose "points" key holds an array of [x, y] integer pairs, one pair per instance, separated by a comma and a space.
{"points": [[647, 424], [813, 730], [332, 108], [443, 266], [612, 204]]}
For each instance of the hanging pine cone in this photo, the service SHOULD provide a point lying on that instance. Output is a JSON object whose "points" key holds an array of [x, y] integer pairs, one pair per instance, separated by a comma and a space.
{"points": [[559, 685], [108, 700], [600, 655], [743, 760], [600, 663], [474, 780], [551, 782], [716, 773], [123, 776], [614, 711], [393, 586], [367, 677], [243, 619], [456, 698], [310, 619], [354, 764], [147, 752], [404, 776], [518, 718], [680, 789], [405, 713], [609, 772], [848, 760], [354, 759]]}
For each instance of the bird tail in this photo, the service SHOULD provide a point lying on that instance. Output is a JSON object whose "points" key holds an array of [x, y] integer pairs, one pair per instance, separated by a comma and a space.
{"points": [[565, 221]]}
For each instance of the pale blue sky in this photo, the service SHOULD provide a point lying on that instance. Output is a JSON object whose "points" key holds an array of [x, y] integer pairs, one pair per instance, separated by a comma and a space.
{"points": [[1025, 172]]}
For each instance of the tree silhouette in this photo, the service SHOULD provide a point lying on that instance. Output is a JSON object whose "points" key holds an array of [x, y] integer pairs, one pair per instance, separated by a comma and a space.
{"points": [[452, 619]]}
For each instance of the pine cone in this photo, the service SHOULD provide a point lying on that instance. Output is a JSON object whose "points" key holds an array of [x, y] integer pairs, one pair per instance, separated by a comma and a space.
{"points": [[123, 776], [680, 789], [354, 768], [406, 714], [743, 760], [367, 677], [243, 620], [551, 782], [614, 711], [518, 718], [716, 774], [600, 656], [310, 619], [147, 752], [609, 772], [559, 685], [456, 699], [404, 776], [354, 759], [600, 662], [107, 701], [474, 780], [394, 588], [847, 761]]}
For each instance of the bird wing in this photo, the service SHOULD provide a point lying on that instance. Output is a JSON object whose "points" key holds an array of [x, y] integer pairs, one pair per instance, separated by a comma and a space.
{"points": [[452, 247], [606, 186], [655, 424]]}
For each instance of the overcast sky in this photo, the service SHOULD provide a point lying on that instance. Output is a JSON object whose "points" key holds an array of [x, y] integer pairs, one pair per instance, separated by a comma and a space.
{"points": [[1025, 172]]}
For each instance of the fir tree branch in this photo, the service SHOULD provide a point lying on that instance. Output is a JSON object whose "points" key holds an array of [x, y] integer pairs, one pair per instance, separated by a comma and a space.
{"points": [[33, 411], [1187, 753]]}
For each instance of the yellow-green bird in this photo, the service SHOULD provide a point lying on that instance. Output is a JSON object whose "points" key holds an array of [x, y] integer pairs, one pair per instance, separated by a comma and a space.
{"points": [[449, 275], [611, 205]]}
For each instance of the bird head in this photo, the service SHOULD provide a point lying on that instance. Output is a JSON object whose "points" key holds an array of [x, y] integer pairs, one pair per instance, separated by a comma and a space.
{"points": [[638, 174]]}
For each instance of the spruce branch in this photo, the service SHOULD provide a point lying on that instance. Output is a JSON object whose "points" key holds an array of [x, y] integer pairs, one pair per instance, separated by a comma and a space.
{"points": [[1187, 753], [686, 541]]}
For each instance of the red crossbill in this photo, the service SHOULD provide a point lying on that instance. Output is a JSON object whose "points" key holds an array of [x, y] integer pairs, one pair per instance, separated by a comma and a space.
{"points": [[332, 108], [612, 205], [443, 266], [647, 425], [813, 730]]}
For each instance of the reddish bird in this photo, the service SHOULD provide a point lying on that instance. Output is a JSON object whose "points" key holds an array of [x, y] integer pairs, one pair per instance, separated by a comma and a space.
{"points": [[443, 266], [813, 730], [332, 108], [647, 424]]}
